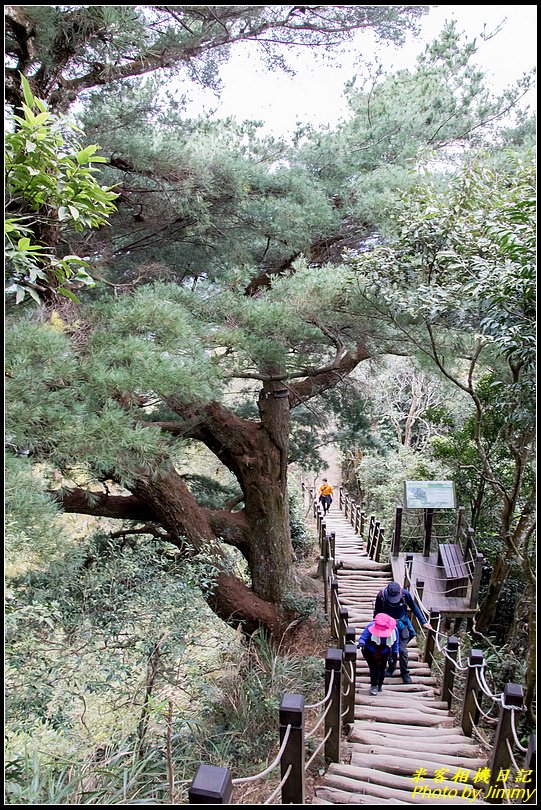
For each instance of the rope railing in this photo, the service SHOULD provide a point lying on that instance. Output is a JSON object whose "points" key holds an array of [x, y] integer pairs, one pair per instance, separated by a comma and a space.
{"points": [[469, 564], [270, 768], [485, 689], [445, 653], [488, 717], [512, 756], [311, 733], [318, 749], [514, 732], [326, 698], [279, 787], [213, 785], [475, 728]]}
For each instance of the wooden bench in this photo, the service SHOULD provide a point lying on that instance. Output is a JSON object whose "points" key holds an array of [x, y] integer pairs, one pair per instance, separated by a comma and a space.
{"points": [[456, 571]]}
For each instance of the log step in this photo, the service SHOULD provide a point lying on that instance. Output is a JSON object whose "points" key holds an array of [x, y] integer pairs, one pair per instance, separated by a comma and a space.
{"points": [[404, 767], [405, 795]]}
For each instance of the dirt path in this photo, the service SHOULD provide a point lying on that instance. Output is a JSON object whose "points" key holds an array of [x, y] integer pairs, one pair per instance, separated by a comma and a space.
{"points": [[331, 469]]}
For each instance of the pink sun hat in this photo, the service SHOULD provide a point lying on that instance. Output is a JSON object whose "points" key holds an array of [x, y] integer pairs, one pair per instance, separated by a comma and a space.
{"points": [[383, 625]]}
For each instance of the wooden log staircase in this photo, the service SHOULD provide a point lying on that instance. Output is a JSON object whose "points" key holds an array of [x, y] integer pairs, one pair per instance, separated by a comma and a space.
{"points": [[407, 728]]}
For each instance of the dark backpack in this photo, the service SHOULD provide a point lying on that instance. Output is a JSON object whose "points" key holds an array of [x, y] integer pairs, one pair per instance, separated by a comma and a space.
{"points": [[404, 622]]}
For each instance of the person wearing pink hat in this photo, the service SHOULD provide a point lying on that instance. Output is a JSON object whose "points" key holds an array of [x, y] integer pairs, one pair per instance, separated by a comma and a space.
{"points": [[377, 642]]}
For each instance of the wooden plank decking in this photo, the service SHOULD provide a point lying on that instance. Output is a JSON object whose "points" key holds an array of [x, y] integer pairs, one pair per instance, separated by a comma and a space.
{"points": [[404, 728], [432, 574]]}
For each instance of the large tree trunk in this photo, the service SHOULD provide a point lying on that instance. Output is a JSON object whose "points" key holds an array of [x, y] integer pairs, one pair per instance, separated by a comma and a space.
{"points": [[257, 454], [487, 611], [179, 513], [264, 482]]}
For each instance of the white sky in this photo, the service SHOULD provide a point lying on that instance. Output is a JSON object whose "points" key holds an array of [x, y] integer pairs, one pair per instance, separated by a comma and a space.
{"points": [[315, 94]]}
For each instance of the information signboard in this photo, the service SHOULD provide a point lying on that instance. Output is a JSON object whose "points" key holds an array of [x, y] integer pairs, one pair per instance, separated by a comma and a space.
{"points": [[429, 495]]}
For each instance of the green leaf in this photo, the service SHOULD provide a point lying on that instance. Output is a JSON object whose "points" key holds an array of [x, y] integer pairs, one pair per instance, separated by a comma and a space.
{"points": [[85, 155], [42, 117], [28, 114], [28, 96], [68, 294]]}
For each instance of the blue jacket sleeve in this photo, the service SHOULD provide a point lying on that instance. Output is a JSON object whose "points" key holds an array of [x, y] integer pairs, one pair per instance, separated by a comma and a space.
{"points": [[413, 607], [395, 647], [378, 607], [365, 635]]}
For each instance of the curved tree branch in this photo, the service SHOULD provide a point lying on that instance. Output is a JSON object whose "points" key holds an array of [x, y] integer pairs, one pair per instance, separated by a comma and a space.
{"points": [[329, 376]]}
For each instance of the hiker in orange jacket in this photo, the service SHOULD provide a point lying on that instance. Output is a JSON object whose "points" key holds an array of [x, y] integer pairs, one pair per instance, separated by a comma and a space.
{"points": [[325, 495]]}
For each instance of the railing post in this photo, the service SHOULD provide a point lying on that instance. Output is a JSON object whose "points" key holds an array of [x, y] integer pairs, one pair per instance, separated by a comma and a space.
{"points": [[371, 524], [470, 712], [334, 608], [419, 587], [429, 515], [397, 531], [468, 546], [351, 634], [363, 521], [513, 698], [374, 529], [333, 720], [322, 531], [324, 558], [332, 541], [350, 668], [408, 565], [292, 714], [377, 552], [211, 785], [377, 529], [530, 765], [323, 555], [476, 581], [460, 513], [343, 621], [341, 498], [431, 637], [357, 518], [449, 669]]}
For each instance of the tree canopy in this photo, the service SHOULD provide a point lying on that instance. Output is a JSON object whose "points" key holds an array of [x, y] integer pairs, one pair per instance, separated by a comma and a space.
{"points": [[70, 50]]}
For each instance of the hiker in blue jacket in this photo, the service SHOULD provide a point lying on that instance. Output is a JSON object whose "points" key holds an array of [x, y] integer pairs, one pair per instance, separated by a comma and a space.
{"points": [[378, 641], [396, 601]]}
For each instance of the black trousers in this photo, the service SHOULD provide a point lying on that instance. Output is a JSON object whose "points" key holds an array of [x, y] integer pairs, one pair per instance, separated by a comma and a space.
{"points": [[326, 501], [377, 666]]}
